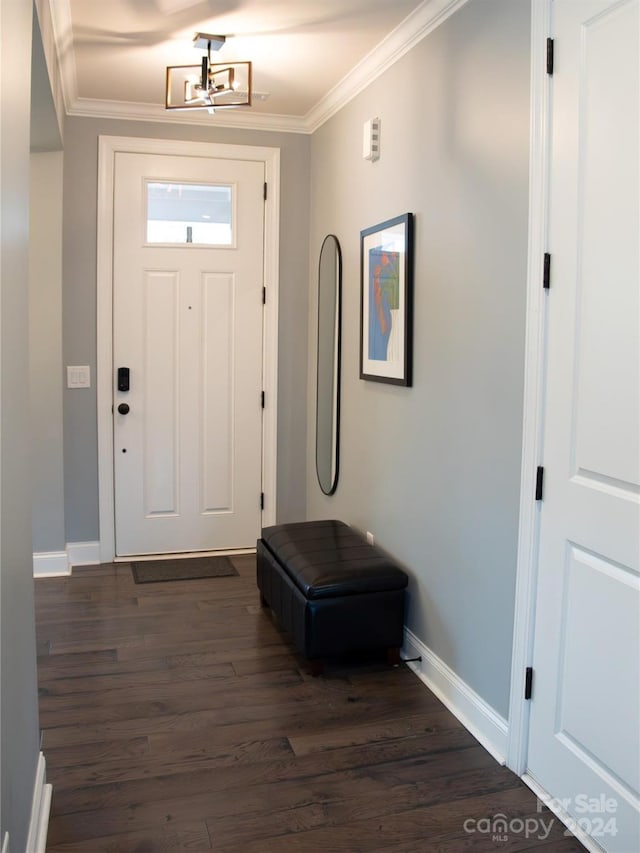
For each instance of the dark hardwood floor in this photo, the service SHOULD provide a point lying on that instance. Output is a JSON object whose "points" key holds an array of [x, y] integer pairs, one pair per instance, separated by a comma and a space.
{"points": [[177, 717]]}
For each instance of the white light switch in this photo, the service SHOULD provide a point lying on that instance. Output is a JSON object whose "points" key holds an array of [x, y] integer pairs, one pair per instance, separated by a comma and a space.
{"points": [[78, 376]]}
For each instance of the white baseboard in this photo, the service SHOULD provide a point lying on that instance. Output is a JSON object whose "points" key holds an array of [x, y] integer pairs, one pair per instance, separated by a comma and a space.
{"points": [[41, 804], [5, 843], [484, 723], [50, 564], [83, 553], [55, 564]]}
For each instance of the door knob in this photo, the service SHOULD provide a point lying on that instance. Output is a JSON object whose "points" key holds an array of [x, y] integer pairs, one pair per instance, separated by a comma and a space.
{"points": [[123, 408]]}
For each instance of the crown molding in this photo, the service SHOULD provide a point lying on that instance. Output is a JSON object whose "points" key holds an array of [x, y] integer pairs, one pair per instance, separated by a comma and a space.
{"points": [[422, 21], [157, 113], [60, 14], [49, 47]]}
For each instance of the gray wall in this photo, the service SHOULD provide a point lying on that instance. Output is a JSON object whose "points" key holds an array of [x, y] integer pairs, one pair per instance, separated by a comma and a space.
{"points": [[79, 307], [45, 349], [19, 709], [45, 130], [433, 471]]}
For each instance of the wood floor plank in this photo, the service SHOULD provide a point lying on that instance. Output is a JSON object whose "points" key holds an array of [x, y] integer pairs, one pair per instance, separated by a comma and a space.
{"points": [[51, 672], [177, 716], [424, 824], [115, 753], [171, 837], [336, 808], [85, 660], [111, 769], [226, 778], [485, 842], [150, 701]]}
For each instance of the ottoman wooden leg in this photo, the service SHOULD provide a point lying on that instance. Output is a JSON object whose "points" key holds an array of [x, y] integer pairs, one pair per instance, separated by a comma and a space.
{"points": [[393, 656], [316, 667]]}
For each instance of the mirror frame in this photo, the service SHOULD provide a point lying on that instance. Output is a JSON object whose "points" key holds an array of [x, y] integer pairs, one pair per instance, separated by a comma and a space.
{"points": [[330, 244]]}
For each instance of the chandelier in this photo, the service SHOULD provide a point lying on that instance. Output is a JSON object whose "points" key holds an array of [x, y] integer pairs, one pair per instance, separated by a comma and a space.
{"points": [[210, 85]]}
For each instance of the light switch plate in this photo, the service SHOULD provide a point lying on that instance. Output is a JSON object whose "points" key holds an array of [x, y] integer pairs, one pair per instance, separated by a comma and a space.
{"points": [[78, 376], [371, 139]]}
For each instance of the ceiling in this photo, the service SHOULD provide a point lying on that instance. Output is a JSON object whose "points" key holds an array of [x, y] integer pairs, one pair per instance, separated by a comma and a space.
{"points": [[309, 56]]}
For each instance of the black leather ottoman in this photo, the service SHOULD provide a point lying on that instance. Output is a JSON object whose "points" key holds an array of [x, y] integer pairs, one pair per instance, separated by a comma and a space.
{"points": [[331, 590]]}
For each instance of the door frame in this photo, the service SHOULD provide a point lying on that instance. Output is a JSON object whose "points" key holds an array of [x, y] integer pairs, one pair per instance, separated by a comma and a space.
{"points": [[108, 147], [534, 389]]}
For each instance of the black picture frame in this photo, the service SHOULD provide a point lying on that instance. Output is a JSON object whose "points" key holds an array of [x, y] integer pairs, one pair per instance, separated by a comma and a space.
{"points": [[386, 301]]}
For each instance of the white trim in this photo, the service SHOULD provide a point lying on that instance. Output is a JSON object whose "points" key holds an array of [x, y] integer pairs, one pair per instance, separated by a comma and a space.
{"points": [[49, 46], [479, 718], [40, 807], [553, 805], [244, 120], [60, 15], [270, 338], [108, 146], [83, 553], [422, 21], [50, 564], [5, 843], [526, 574]]}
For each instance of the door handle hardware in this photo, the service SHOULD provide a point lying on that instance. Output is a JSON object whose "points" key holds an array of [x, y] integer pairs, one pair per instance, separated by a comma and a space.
{"points": [[123, 408], [123, 379]]}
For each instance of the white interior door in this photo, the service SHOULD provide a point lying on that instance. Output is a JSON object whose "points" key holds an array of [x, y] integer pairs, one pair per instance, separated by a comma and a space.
{"points": [[187, 315], [584, 727]]}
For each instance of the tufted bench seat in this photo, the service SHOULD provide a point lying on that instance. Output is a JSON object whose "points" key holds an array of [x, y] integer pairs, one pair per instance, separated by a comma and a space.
{"points": [[331, 590]]}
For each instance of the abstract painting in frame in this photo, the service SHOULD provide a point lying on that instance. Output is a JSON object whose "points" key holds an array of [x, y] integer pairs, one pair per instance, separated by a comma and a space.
{"points": [[386, 301]]}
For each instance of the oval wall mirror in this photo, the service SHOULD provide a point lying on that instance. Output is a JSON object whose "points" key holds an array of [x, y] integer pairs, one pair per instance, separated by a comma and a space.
{"points": [[328, 381]]}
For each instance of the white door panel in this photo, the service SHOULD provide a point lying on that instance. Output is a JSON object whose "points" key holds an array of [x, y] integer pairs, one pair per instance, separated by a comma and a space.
{"points": [[161, 401], [188, 324], [218, 299], [585, 710]]}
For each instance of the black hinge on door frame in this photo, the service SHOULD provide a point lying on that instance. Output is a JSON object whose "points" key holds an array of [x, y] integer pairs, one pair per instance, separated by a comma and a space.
{"points": [[262, 399], [265, 191], [264, 295], [528, 682], [549, 56], [261, 500], [539, 481], [546, 271]]}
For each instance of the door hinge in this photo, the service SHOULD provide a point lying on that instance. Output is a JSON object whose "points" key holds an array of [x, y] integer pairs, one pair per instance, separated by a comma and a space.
{"points": [[528, 682], [262, 396], [264, 295], [261, 500], [265, 191], [546, 271], [549, 56], [539, 481]]}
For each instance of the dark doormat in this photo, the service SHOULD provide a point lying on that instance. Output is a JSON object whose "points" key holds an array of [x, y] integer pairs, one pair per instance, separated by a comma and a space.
{"points": [[187, 569]]}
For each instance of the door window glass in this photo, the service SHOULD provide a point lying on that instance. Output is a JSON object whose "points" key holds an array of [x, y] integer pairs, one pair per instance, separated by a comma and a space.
{"points": [[201, 214]]}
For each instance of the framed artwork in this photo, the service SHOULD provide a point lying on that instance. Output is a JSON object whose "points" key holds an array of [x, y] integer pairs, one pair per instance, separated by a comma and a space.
{"points": [[386, 301]]}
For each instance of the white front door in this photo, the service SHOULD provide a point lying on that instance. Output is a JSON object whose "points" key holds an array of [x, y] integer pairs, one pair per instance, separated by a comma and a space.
{"points": [[584, 747], [187, 350]]}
